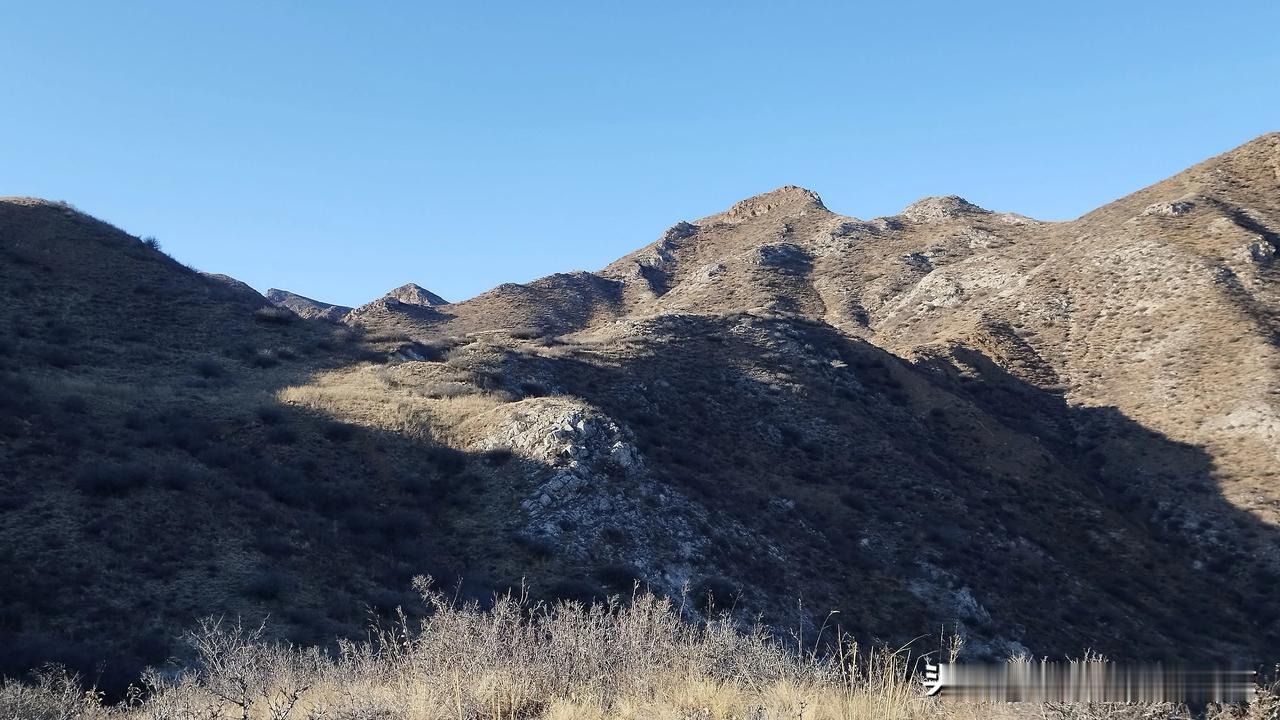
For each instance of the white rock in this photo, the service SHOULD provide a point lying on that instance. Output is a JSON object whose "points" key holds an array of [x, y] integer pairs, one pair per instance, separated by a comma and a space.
{"points": [[1178, 207]]}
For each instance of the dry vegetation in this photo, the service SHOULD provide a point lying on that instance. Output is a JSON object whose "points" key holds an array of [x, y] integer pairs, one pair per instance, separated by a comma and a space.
{"points": [[512, 660], [416, 399], [639, 660]]}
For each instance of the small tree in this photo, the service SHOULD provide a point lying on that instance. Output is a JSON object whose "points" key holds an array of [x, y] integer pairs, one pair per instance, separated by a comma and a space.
{"points": [[238, 667]]}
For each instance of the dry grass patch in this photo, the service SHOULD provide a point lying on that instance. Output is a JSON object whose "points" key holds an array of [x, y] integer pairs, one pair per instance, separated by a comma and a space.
{"points": [[514, 660], [565, 661], [417, 405]]}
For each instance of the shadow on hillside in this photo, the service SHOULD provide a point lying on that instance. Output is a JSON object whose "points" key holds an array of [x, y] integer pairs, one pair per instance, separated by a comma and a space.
{"points": [[1001, 507], [149, 478], [902, 517]]}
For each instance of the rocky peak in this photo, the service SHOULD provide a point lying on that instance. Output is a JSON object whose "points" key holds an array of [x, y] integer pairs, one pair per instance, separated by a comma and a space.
{"points": [[938, 208], [412, 294], [789, 199]]}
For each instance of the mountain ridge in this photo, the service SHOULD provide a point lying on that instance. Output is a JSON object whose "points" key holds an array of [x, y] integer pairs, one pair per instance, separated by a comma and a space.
{"points": [[769, 401], [306, 307]]}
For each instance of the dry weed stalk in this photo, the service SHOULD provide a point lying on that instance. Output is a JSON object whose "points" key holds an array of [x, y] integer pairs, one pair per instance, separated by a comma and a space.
{"points": [[515, 659]]}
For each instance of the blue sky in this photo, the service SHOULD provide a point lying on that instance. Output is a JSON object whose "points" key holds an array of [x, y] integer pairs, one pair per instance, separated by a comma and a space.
{"points": [[341, 149]]}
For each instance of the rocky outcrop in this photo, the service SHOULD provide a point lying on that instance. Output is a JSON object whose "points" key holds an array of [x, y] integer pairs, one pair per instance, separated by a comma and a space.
{"points": [[1177, 207], [591, 483]]}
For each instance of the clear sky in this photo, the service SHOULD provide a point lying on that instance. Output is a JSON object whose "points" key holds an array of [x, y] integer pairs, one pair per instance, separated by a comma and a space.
{"points": [[341, 149]]}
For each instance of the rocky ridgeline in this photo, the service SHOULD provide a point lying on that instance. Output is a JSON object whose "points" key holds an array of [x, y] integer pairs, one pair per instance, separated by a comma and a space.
{"points": [[305, 307]]}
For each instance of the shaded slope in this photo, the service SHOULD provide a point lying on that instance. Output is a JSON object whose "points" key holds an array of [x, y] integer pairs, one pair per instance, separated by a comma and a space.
{"points": [[760, 458], [150, 477]]}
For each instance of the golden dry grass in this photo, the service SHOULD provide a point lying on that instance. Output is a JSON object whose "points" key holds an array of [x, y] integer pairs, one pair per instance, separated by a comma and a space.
{"points": [[423, 406], [634, 661], [513, 660]]}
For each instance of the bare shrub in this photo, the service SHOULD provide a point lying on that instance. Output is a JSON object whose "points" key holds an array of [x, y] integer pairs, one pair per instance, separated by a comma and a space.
{"points": [[56, 694], [517, 659], [248, 675]]}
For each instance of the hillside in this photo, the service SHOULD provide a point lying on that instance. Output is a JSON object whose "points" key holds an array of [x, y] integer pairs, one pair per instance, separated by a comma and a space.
{"points": [[1044, 436]]}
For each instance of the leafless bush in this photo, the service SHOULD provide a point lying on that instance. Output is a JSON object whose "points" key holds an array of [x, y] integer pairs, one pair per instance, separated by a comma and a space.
{"points": [[55, 694], [520, 660], [238, 671]]}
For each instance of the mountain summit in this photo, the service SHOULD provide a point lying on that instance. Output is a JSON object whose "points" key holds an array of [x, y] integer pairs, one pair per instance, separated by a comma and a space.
{"points": [[411, 294]]}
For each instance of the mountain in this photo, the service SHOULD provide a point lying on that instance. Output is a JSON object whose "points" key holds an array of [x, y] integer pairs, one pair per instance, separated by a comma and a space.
{"points": [[1045, 436], [306, 307], [405, 301], [411, 294]]}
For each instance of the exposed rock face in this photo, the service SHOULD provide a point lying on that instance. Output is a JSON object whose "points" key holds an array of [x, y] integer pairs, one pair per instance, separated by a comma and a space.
{"points": [[596, 485], [679, 231], [306, 307], [1260, 251], [1178, 207]]}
